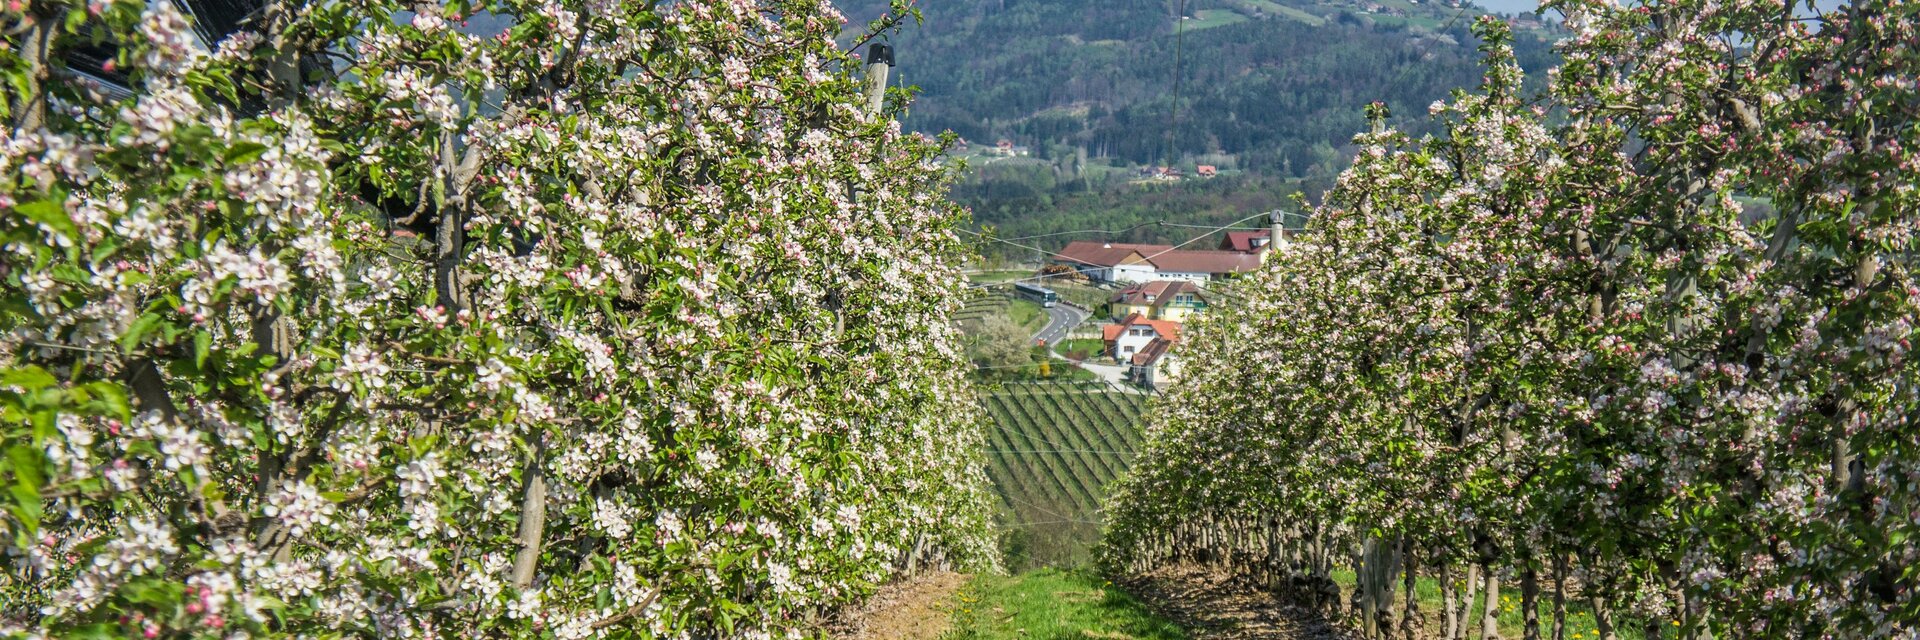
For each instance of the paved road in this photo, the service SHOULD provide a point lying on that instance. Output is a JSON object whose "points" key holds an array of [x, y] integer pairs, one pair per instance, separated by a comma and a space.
{"points": [[1060, 318]]}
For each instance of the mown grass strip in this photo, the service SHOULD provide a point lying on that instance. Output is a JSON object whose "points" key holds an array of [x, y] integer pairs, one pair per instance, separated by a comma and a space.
{"points": [[1054, 604]]}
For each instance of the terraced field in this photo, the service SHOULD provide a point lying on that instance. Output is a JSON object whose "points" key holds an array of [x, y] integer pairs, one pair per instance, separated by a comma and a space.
{"points": [[1053, 449], [982, 306]]}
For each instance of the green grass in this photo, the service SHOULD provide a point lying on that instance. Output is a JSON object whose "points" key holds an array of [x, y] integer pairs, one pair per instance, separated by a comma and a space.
{"points": [[1083, 347], [1579, 616], [985, 277], [1027, 314], [1063, 371], [1210, 18], [1275, 8], [1052, 604]]}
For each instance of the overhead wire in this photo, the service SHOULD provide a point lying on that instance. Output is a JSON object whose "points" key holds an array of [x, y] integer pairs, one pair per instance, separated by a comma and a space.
{"points": [[1040, 451], [1197, 238], [1080, 231]]}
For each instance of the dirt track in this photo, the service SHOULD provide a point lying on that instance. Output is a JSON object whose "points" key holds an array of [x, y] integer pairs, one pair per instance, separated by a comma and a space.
{"points": [[918, 609], [1213, 606]]}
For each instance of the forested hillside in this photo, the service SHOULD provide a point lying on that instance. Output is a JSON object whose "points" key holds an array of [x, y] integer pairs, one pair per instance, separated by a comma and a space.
{"points": [[1273, 87], [1270, 89]]}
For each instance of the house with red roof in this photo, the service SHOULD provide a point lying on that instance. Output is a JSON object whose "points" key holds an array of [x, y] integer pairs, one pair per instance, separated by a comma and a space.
{"points": [[1144, 345], [1160, 300], [1126, 262]]}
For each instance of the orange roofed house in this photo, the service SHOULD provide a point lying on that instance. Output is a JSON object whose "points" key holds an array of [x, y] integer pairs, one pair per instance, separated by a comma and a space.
{"points": [[1159, 300], [1145, 346]]}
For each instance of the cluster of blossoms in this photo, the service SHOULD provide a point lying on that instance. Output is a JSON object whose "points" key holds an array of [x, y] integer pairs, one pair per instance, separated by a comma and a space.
{"points": [[1648, 345], [622, 321]]}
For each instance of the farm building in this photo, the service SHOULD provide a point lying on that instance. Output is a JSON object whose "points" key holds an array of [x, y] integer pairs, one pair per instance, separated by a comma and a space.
{"points": [[1123, 262], [1159, 300]]}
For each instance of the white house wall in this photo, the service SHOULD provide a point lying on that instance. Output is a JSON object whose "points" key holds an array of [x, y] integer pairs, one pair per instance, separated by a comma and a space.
{"points": [[1133, 273], [1128, 344], [1185, 276]]}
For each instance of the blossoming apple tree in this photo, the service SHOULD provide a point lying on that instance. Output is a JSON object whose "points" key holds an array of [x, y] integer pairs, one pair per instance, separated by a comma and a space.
{"points": [[616, 319], [1646, 343]]}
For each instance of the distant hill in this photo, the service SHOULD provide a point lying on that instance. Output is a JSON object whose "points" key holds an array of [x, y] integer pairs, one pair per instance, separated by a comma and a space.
{"points": [[1272, 87], [1270, 93]]}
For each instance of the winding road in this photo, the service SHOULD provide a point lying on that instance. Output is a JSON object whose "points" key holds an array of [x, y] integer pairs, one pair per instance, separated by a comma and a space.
{"points": [[1060, 318]]}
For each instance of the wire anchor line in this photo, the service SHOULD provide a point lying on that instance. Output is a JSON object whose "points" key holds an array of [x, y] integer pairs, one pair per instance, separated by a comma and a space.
{"points": [[1211, 231]]}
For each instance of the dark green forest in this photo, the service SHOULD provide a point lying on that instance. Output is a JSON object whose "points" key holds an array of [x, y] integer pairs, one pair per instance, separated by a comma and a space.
{"points": [[1269, 92]]}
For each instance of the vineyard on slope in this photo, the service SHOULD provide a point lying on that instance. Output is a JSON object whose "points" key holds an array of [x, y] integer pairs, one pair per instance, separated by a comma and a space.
{"points": [[346, 319], [1552, 349], [1053, 449]]}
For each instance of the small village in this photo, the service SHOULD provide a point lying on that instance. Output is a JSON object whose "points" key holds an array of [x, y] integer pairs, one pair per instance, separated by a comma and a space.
{"points": [[1116, 311]]}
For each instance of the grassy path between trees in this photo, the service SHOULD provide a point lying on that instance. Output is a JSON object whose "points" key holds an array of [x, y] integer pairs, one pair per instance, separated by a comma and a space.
{"points": [[1212, 605], [1178, 603], [1052, 604]]}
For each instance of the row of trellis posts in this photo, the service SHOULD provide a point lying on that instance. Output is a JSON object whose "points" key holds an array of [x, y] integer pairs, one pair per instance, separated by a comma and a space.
{"points": [[1297, 561]]}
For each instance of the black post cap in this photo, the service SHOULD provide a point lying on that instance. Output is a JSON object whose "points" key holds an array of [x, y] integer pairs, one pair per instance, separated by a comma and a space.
{"points": [[880, 53]]}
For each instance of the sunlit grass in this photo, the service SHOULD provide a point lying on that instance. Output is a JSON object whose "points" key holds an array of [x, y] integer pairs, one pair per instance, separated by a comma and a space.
{"points": [[1580, 624], [1053, 603]]}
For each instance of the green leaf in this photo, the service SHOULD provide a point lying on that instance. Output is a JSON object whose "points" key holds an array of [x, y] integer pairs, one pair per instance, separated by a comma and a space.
{"points": [[48, 212], [155, 591], [29, 378], [202, 344], [96, 631], [139, 330], [244, 152], [26, 506], [28, 468]]}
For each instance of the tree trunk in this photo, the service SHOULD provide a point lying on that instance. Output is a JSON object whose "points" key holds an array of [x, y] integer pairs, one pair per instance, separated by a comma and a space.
{"points": [[1449, 598], [1410, 617], [1559, 596], [1602, 618], [533, 517], [1466, 604], [1530, 601], [1490, 611], [449, 233], [1365, 585], [30, 108]]}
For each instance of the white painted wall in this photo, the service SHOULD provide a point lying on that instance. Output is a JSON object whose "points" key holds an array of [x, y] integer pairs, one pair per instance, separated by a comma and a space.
{"points": [[1189, 276], [1132, 273], [1136, 338]]}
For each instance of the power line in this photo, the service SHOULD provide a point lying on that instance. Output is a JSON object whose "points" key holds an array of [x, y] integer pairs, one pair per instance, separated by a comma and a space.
{"points": [[1046, 510], [1040, 451], [1173, 111], [1080, 231], [1053, 523], [1008, 431], [1047, 276], [1189, 241]]}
